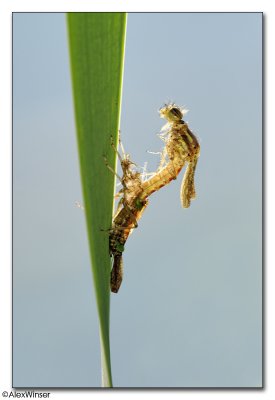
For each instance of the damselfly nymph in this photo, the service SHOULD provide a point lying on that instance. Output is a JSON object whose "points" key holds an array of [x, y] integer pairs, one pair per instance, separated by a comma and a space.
{"points": [[129, 210]]}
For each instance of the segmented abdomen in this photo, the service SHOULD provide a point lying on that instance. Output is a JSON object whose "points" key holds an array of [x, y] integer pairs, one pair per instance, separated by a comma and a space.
{"points": [[123, 224], [116, 273], [162, 178]]}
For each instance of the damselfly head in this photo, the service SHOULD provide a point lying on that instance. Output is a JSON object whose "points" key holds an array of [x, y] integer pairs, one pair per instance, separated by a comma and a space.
{"points": [[129, 168], [127, 161], [172, 112]]}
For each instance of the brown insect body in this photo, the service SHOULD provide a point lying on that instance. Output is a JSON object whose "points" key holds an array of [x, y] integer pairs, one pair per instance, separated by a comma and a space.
{"points": [[123, 224], [181, 147], [129, 210]]}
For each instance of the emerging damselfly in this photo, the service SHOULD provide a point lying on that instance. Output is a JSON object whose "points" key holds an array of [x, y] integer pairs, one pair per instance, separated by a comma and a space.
{"points": [[181, 147]]}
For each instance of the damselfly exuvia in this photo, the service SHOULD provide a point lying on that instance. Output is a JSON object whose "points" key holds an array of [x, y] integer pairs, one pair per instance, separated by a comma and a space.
{"points": [[181, 147]]}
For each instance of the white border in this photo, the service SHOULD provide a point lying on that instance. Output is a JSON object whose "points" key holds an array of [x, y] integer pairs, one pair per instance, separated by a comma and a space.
{"points": [[6, 9]]}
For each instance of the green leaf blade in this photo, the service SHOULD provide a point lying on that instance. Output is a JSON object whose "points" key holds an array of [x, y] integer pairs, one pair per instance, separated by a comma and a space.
{"points": [[96, 42]]}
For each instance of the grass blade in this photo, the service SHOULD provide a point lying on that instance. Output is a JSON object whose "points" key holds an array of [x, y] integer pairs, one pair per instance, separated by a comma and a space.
{"points": [[96, 42]]}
